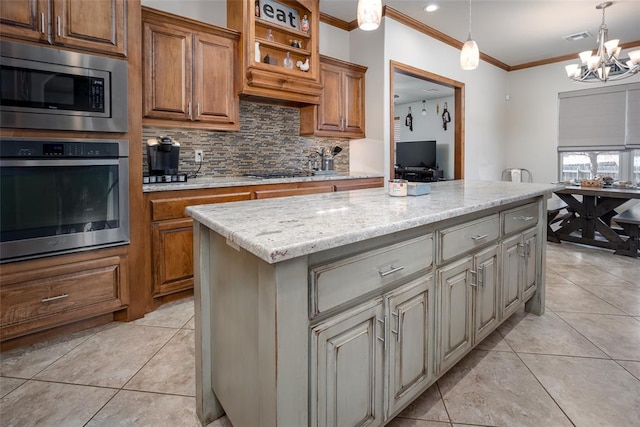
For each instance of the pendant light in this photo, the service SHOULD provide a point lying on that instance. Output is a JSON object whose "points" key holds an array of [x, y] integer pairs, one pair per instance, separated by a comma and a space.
{"points": [[470, 54], [369, 14]]}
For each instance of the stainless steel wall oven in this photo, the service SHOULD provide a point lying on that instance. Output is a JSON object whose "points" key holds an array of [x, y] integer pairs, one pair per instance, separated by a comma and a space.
{"points": [[62, 195]]}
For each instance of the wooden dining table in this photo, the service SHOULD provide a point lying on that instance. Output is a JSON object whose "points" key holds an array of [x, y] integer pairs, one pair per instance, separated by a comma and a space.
{"points": [[590, 212]]}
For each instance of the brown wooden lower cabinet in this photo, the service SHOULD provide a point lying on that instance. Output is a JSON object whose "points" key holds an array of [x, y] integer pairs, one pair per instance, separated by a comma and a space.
{"points": [[171, 236], [172, 255], [46, 293]]}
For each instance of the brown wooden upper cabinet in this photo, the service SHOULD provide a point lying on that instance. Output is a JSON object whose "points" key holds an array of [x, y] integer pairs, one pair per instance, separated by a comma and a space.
{"points": [[278, 29], [97, 25], [189, 72], [342, 109]]}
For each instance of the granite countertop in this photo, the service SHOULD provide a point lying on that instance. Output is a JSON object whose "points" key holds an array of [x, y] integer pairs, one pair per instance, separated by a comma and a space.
{"points": [[237, 181], [284, 228]]}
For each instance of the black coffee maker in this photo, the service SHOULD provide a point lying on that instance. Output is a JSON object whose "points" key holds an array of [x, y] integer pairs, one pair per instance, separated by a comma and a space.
{"points": [[163, 154]]}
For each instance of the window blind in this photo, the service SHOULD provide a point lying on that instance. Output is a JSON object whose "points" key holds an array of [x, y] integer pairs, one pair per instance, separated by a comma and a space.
{"points": [[604, 118], [633, 118]]}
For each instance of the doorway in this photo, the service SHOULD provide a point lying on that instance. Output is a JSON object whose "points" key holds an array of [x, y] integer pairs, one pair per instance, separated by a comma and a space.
{"points": [[397, 68]]}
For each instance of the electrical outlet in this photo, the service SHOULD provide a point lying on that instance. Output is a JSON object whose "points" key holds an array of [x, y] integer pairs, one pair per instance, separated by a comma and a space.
{"points": [[199, 156]]}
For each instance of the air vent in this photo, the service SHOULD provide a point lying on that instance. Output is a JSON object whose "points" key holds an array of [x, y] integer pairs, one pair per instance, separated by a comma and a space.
{"points": [[578, 36]]}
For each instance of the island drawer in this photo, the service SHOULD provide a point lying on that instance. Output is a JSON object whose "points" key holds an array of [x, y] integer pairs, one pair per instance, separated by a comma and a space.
{"points": [[466, 237], [340, 281], [519, 218]]}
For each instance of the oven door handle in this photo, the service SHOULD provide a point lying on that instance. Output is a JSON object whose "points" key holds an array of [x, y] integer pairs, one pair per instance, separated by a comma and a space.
{"points": [[58, 162]]}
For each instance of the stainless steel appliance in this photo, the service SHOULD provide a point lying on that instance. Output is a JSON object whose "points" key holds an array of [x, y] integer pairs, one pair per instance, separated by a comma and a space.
{"points": [[163, 154], [47, 88], [62, 195]]}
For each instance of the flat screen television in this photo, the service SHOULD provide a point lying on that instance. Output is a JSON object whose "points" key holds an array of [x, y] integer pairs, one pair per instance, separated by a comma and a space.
{"points": [[416, 154]]}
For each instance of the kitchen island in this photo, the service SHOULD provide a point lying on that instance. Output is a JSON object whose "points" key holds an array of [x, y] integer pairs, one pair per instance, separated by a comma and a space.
{"points": [[342, 308]]}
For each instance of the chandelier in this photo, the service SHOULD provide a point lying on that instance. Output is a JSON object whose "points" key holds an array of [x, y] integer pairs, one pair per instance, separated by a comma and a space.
{"points": [[605, 64]]}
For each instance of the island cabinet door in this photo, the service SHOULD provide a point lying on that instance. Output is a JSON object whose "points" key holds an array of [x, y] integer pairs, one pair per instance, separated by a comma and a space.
{"points": [[410, 311], [487, 292], [347, 368], [512, 251], [530, 261], [454, 293]]}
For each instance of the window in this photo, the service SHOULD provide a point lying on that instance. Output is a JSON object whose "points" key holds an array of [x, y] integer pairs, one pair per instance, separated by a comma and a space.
{"points": [[623, 165]]}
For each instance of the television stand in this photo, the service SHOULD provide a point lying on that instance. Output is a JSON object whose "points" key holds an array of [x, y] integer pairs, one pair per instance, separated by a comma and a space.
{"points": [[415, 174]]}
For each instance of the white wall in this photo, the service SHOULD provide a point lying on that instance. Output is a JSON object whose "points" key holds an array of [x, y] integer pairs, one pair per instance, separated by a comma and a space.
{"points": [[372, 153], [532, 131], [209, 11], [429, 127], [485, 108], [334, 42]]}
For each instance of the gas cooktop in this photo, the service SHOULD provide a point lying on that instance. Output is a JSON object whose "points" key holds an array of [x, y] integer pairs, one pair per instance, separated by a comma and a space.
{"points": [[276, 174]]}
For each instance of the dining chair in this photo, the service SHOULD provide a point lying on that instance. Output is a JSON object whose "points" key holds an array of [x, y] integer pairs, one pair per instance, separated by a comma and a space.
{"points": [[517, 175]]}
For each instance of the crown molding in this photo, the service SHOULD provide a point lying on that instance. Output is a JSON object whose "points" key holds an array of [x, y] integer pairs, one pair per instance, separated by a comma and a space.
{"points": [[336, 22]]}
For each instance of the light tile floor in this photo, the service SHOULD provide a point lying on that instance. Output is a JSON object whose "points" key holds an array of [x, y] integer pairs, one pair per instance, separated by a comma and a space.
{"points": [[579, 364]]}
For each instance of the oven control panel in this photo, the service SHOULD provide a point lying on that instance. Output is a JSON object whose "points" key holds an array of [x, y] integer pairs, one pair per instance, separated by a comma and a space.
{"points": [[51, 148]]}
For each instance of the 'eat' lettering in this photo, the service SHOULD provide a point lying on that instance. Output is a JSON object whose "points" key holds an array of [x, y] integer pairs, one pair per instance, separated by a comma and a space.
{"points": [[280, 15]]}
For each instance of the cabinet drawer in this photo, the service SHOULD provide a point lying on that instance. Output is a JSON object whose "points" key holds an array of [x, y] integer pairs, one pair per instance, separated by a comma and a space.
{"points": [[519, 218], [91, 283], [466, 237], [174, 208], [340, 281]]}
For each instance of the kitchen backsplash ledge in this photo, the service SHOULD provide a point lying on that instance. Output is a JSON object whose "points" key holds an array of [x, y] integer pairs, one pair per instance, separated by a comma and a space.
{"points": [[268, 140]]}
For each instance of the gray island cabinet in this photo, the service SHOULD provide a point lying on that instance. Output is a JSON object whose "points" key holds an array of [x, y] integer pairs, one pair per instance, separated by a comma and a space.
{"points": [[339, 309]]}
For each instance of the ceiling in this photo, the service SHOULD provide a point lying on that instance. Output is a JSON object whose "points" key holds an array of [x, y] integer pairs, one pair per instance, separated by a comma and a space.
{"points": [[514, 32]]}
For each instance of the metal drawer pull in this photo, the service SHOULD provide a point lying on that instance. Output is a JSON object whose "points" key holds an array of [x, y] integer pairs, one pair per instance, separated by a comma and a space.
{"points": [[479, 236], [54, 298], [42, 22], [59, 27], [384, 329], [398, 330], [391, 270], [523, 218]]}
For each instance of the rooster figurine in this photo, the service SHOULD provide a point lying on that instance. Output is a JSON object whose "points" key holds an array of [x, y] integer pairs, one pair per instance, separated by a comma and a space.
{"points": [[304, 66]]}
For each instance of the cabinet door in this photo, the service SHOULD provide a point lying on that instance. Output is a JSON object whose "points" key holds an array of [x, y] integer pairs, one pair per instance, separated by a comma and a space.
{"points": [[511, 275], [487, 293], [347, 368], [330, 110], [167, 72], [453, 287], [96, 25], [25, 19], [172, 249], [354, 103], [529, 270], [214, 95], [410, 316]]}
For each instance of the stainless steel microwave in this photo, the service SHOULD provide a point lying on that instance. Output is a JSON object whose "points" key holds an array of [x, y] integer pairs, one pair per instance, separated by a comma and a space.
{"points": [[48, 88]]}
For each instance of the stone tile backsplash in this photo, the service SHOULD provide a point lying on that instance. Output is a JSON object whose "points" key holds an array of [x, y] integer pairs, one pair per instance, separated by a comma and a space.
{"points": [[268, 140]]}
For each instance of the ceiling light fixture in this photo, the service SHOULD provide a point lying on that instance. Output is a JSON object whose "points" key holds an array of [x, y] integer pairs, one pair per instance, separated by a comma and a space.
{"points": [[604, 65], [470, 54], [424, 109], [432, 7], [369, 14]]}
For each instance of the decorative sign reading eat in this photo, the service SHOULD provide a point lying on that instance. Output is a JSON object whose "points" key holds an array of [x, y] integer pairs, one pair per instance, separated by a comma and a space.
{"points": [[280, 14]]}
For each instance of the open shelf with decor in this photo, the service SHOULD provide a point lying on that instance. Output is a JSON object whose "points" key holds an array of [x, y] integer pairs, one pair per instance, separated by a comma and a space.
{"points": [[275, 32]]}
